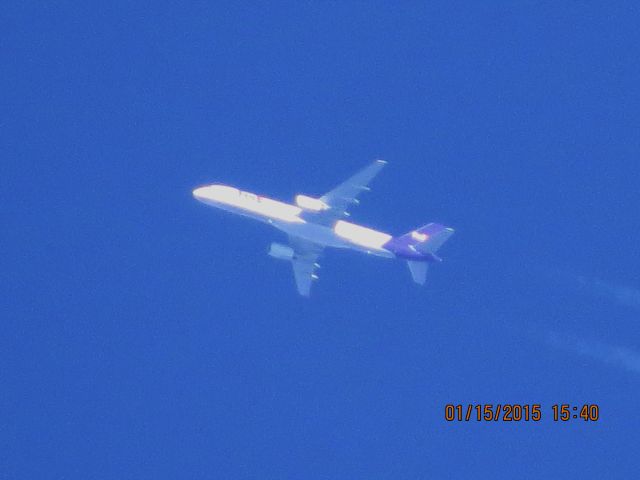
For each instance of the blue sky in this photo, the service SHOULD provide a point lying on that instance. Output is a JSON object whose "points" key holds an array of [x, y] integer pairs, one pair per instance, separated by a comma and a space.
{"points": [[146, 336]]}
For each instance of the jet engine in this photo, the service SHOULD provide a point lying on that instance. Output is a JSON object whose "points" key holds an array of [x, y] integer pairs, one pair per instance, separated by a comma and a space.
{"points": [[281, 252], [310, 203]]}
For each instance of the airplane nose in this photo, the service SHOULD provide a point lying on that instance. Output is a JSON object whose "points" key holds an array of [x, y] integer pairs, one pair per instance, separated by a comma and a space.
{"points": [[198, 193]]}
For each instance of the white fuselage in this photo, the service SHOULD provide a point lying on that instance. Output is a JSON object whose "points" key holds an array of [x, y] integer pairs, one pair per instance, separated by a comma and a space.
{"points": [[288, 218]]}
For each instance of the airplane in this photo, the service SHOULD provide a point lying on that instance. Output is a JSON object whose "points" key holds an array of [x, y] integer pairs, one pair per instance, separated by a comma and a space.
{"points": [[314, 224]]}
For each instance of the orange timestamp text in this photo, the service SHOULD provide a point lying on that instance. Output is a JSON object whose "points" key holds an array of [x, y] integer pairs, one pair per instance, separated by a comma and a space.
{"points": [[519, 412]]}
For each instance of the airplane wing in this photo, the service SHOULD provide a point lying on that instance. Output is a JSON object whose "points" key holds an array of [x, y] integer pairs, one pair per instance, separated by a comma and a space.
{"points": [[304, 263], [344, 195]]}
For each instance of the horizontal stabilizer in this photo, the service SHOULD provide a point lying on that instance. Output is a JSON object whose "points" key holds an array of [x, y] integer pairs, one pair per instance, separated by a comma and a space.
{"points": [[418, 271]]}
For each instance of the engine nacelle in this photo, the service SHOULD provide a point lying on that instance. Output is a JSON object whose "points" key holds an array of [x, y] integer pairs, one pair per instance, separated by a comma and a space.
{"points": [[310, 203], [281, 252]]}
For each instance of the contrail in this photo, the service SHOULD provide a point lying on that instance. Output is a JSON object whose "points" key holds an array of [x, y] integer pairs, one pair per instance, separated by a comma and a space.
{"points": [[617, 356], [623, 295], [627, 296]]}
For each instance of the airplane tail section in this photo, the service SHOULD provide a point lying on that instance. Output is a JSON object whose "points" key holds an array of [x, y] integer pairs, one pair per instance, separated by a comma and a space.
{"points": [[425, 240], [418, 271], [428, 238]]}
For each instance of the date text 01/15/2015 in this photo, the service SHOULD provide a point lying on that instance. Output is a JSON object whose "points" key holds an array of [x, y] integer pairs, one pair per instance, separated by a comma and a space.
{"points": [[517, 412]]}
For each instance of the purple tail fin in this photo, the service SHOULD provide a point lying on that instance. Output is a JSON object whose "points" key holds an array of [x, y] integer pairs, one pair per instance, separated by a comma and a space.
{"points": [[428, 238], [421, 243]]}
